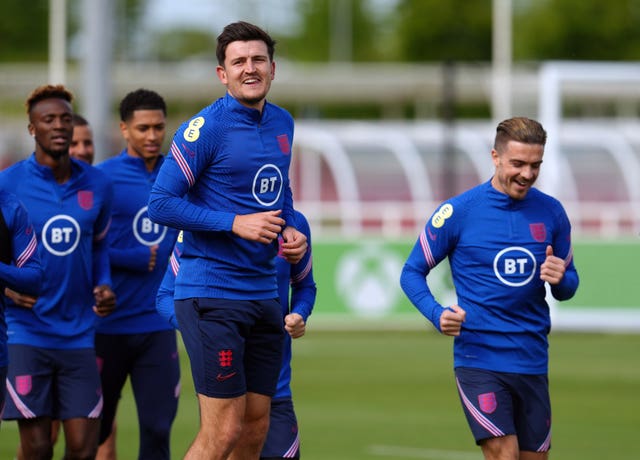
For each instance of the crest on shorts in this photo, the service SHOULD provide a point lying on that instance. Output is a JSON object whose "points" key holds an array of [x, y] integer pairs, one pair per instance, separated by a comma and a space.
{"points": [[85, 199], [225, 358], [283, 143], [488, 402], [23, 384], [538, 231]]}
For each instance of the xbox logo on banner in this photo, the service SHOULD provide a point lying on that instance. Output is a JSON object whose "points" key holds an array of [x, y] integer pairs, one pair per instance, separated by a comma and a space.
{"points": [[367, 279]]}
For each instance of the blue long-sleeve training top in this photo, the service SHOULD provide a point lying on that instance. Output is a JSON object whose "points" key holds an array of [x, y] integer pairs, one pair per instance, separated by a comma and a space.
{"points": [[71, 221], [227, 160], [131, 236], [20, 269], [495, 246]]}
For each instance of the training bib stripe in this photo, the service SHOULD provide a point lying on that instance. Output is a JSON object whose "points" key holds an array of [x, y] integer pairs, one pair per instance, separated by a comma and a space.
{"points": [[426, 249], [28, 252], [291, 453], [102, 235], [569, 258], [475, 413], [97, 411], [303, 274], [546, 445], [22, 408], [182, 164], [174, 263]]}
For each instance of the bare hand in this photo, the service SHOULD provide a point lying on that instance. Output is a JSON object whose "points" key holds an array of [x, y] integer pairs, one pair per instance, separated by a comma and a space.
{"points": [[153, 256], [294, 325], [21, 300], [451, 321], [105, 300], [263, 227], [552, 270], [294, 245]]}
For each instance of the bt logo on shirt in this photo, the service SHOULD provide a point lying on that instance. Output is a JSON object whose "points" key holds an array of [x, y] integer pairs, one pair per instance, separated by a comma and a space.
{"points": [[267, 185], [515, 266], [147, 232], [61, 235]]}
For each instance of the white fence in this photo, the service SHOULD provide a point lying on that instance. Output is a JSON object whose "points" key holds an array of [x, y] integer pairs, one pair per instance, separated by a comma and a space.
{"points": [[355, 178]]}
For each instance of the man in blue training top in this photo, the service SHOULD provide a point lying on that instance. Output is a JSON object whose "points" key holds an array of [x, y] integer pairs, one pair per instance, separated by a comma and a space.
{"points": [[283, 440], [20, 268], [226, 183], [53, 372], [135, 341], [505, 240]]}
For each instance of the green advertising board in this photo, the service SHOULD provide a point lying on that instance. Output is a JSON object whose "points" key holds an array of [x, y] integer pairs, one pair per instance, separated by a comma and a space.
{"points": [[359, 278]]}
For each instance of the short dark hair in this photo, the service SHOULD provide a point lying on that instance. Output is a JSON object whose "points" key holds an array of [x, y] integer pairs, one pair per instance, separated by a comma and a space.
{"points": [[48, 92], [79, 120], [141, 99], [244, 32], [519, 129]]}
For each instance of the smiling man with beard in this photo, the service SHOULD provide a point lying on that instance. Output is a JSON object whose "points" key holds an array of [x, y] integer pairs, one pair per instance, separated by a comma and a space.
{"points": [[506, 242], [226, 184]]}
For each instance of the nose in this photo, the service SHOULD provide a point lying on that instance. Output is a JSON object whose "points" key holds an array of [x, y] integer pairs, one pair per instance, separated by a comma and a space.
{"points": [[153, 134], [250, 66], [59, 123], [527, 172]]}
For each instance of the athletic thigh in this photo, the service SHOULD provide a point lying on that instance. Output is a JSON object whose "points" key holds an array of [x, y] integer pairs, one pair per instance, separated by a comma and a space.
{"points": [[114, 358], [216, 333], [155, 377], [78, 384], [487, 403], [29, 383], [263, 352], [533, 412], [498, 404]]}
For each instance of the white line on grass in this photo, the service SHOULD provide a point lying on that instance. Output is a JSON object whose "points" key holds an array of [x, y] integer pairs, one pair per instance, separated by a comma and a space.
{"points": [[415, 452]]}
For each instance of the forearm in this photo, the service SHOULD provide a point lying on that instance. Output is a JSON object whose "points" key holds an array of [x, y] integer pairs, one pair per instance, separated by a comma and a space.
{"points": [[179, 213], [26, 279], [414, 285]]}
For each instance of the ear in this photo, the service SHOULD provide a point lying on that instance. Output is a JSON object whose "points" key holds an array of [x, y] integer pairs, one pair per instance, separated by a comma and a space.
{"points": [[222, 74], [495, 157], [124, 129], [32, 130], [273, 70]]}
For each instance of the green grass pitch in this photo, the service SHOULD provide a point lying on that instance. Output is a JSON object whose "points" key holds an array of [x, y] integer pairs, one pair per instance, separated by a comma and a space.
{"points": [[390, 396]]}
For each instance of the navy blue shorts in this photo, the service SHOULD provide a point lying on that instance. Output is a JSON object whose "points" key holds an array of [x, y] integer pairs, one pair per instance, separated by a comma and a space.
{"points": [[234, 346], [61, 384], [282, 439], [499, 404]]}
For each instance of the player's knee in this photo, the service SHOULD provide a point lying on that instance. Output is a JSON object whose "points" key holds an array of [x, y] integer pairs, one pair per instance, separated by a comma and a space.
{"points": [[156, 433], [260, 425], [37, 449], [86, 453], [223, 437]]}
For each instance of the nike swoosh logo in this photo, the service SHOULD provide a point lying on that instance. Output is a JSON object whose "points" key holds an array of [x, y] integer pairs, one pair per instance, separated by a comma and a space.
{"points": [[222, 378], [431, 235]]}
